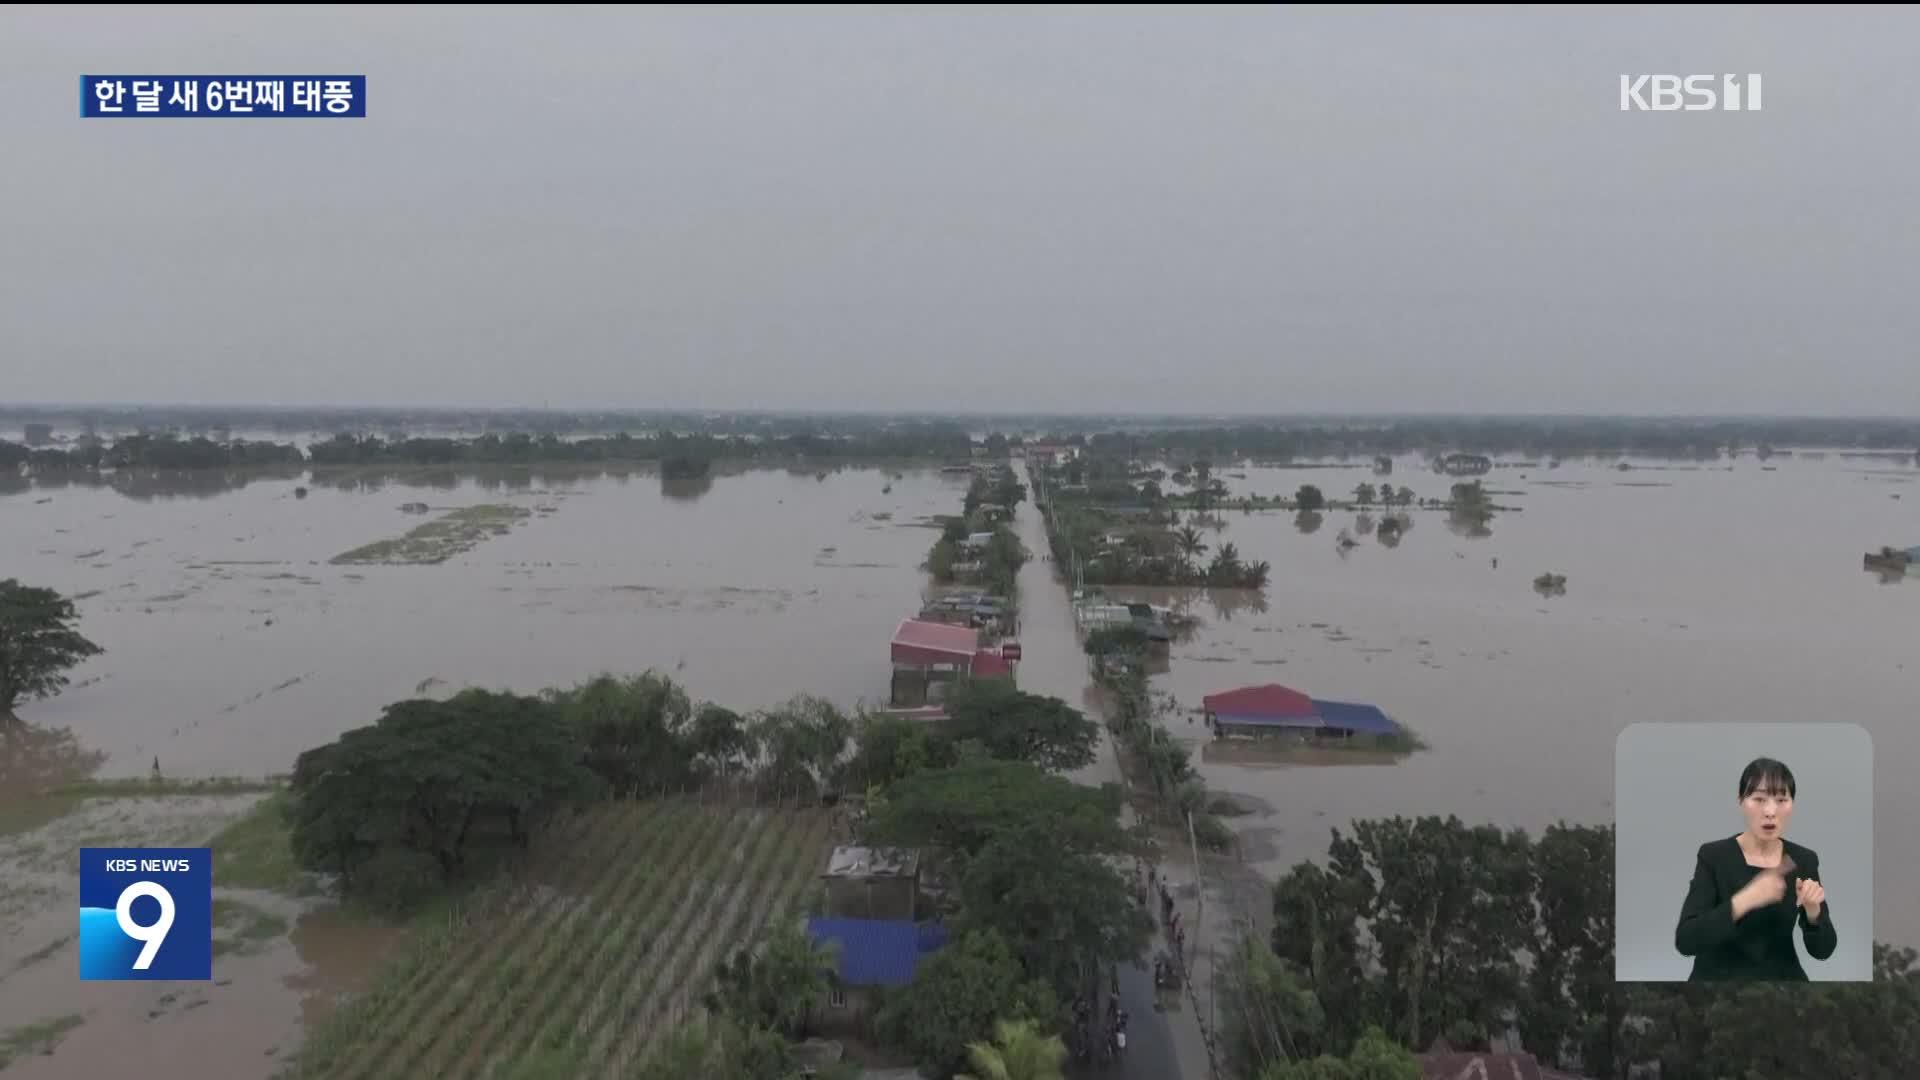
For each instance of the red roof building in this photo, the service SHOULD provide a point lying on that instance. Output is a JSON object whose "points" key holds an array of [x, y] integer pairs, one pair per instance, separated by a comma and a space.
{"points": [[1271, 701], [928, 644], [987, 665]]}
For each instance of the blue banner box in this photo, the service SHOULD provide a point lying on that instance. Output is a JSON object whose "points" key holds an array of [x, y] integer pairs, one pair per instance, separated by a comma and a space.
{"points": [[330, 97]]}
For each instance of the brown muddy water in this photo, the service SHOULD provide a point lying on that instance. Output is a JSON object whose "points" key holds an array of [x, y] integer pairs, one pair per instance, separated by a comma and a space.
{"points": [[233, 643], [1693, 594]]}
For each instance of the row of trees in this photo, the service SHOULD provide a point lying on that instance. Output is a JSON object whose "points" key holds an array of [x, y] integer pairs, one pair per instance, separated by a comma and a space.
{"points": [[1038, 905], [401, 807], [1430, 928], [1000, 559], [1154, 758], [680, 452], [1564, 437]]}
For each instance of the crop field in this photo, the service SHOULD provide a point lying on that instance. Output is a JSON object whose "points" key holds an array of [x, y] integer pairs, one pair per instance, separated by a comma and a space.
{"points": [[578, 965]]}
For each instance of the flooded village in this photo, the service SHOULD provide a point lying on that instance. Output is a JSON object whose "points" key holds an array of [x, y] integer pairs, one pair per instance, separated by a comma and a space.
{"points": [[1310, 667]]}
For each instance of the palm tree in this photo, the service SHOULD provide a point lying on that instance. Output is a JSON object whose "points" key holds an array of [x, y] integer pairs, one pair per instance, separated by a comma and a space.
{"points": [[1018, 1052], [1189, 542]]}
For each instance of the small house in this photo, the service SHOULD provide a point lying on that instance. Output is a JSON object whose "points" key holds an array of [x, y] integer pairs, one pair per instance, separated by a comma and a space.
{"points": [[869, 954], [1262, 711], [929, 655], [872, 883]]}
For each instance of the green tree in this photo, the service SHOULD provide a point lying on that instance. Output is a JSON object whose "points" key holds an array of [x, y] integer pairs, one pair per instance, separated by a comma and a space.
{"points": [[636, 731], [1189, 543], [957, 996], [962, 809], [776, 985], [1019, 1051], [721, 742], [888, 748], [1375, 1056], [1063, 911], [38, 644], [1226, 569], [1018, 726], [1449, 907], [431, 778], [1573, 1004], [1309, 498], [804, 745], [1202, 484], [1364, 494], [718, 1046], [1268, 1015]]}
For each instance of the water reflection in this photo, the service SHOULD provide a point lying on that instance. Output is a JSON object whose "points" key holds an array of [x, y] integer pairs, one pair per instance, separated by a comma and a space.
{"points": [[1469, 524], [146, 485], [1363, 525], [686, 488], [1230, 602], [1309, 521]]}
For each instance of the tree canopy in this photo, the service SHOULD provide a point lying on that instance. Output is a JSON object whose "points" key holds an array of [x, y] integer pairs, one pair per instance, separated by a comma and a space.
{"points": [[431, 778], [957, 997], [1017, 726], [38, 643], [1432, 927], [964, 808]]}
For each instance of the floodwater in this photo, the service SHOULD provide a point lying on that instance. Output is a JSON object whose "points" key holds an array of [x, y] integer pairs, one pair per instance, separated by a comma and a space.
{"points": [[232, 643], [1694, 593]]}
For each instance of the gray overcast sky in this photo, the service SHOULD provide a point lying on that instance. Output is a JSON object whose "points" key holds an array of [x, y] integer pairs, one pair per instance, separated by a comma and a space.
{"points": [[1276, 210]]}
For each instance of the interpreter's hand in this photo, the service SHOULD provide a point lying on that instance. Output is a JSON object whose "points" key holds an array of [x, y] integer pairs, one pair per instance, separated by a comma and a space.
{"points": [[1810, 895], [1767, 887]]}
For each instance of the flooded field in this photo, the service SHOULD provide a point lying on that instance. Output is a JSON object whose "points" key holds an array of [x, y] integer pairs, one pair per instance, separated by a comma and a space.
{"points": [[1693, 594], [234, 641]]}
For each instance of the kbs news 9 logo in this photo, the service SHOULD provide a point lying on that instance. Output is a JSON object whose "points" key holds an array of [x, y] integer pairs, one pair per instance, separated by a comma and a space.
{"points": [[146, 913]]}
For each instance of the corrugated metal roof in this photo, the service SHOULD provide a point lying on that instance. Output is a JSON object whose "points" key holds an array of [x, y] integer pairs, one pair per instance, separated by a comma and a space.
{"points": [[878, 952], [913, 634], [1270, 700], [1365, 719]]}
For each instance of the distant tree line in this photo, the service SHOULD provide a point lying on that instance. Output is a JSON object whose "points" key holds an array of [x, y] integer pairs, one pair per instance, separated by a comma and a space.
{"points": [[685, 455], [1703, 438]]}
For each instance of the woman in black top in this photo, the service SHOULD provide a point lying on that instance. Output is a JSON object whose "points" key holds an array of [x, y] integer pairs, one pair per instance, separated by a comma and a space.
{"points": [[1737, 922]]}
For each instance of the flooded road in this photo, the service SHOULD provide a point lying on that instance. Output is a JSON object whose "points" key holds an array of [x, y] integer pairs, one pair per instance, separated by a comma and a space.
{"points": [[232, 643], [1694, 594]]}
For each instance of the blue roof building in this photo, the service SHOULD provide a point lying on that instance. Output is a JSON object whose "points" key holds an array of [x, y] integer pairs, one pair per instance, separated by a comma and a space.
{"points": [[878, 952]]}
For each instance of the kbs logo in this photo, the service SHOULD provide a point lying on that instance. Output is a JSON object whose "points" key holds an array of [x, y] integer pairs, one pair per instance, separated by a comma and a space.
{"points": [[146, 913], [1689, 93]]}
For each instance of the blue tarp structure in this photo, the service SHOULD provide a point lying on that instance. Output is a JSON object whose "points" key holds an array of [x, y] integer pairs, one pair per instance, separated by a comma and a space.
{"points": [[878, 952], [1359, 719]]}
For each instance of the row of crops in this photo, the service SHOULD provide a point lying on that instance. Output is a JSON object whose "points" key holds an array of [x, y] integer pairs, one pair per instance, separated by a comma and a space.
{"points": [[581, 962]]}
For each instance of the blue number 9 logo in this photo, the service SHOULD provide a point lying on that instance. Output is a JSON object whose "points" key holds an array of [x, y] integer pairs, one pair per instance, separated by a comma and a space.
{"points": [[152, 934]]}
